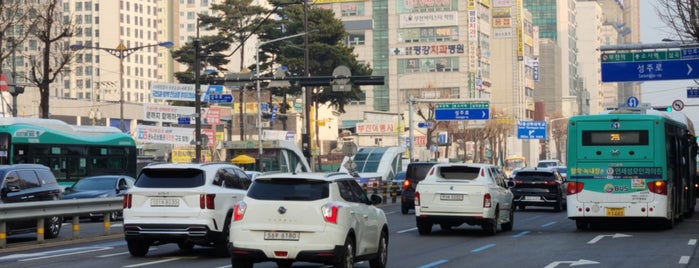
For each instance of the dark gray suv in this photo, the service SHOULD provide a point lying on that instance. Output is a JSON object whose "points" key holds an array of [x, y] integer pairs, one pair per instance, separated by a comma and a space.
{"points": [[415, 173], [26, 183]]}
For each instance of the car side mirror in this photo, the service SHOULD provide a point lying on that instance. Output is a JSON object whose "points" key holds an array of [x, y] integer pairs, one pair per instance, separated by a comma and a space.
{"points": [[510, 183], [376, 199]]}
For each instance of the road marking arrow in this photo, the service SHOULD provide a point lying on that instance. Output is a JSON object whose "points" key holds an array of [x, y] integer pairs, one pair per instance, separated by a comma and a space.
{"points": [[572, 263], [599, 237], [689, 68]]}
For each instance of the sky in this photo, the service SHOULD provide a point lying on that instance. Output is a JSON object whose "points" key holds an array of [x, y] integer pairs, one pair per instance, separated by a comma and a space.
{"points": [[663, 93]]}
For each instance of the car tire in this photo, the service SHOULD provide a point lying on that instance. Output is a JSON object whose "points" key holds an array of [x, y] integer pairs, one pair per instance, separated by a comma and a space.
{"points": [[404, 209], [424, 227], [582, 225], [113, 216], [240, 263], [52, 227], [284, 263], [522, 207], [490, 227], [184, 245], [222, 243], [347, 258], [558, 207], [138, 248], [382, 254], [445, 226], [508, 225]]}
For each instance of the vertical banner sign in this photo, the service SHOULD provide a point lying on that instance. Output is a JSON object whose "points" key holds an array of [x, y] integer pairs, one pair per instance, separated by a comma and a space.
{"points": [[520, 32], [472, 45]]}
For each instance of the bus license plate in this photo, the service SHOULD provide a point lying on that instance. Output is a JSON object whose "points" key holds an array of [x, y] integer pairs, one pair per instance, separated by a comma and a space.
{"points": [[289, 236], [615, 212], [164, 202], [451, 197]]}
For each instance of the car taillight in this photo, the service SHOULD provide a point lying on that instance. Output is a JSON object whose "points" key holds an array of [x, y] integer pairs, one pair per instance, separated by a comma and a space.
{"points": [[486, 201], [406, 184], [239, 210], [127, 200], [330, 212], [207, 201], [574, 187], [657, 187], [551, 183], [417, 199]]}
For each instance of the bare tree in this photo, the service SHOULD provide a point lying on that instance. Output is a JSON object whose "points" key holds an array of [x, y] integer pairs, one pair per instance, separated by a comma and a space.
{"points": [[682, 16], [13, 17], [559, 132], [49, 29]]}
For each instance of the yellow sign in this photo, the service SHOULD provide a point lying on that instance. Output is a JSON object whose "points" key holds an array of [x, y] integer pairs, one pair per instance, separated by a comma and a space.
{"points": [[186, 155]]}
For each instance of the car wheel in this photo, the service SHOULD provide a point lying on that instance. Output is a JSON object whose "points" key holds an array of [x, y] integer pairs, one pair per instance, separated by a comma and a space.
{"points": [[185, 245], [284, 263], [558, 207], [113, 216], [424, 227], [240, 263], [582, 225], [347, 258], [222, 243], [490, 227], [522, 207], [445, 227], [508, 225], [404, 209], [382, 254], [138, 248], [52, 226]]}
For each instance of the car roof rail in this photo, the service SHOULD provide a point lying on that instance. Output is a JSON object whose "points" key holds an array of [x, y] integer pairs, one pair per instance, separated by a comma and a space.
{"points": [[331, 174]]}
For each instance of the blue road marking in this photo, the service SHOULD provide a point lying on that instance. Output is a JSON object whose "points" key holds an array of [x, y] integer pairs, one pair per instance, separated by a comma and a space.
{"points": [[483, 248], [548, 224], [520, 234], [433, 264]]}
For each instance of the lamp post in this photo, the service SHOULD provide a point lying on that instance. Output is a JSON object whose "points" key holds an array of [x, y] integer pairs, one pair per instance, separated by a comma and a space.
{"points": [[121, 52], [257, 78]]}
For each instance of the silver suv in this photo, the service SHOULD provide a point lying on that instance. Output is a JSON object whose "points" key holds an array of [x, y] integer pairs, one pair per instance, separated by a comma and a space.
{"points": [[187, 204], [311, 217]]}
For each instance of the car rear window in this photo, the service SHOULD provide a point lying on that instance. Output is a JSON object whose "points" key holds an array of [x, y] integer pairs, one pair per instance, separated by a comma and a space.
{"points": [[170, 178], [288, 189], [418, 172], [459, 172], [534, 176]]}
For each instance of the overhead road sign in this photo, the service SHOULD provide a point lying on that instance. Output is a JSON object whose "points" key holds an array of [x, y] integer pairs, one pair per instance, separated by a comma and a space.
{"points": [[693, 92], [650, 70], [220, 98], [528, 130], [462, 111]]}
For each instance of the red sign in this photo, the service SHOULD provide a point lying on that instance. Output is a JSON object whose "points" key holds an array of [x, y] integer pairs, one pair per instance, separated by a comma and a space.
{"points": [[3, 82]]}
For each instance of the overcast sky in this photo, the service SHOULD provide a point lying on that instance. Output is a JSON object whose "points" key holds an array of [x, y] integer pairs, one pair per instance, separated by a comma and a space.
{"points": [[665, 92]]}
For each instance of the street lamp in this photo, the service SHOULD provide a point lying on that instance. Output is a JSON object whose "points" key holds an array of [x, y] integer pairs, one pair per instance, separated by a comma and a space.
{"points": [[121, 52], [257, 77]]}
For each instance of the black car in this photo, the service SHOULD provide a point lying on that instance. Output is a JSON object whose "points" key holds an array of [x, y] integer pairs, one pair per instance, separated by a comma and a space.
{"points": [[99, 187], [416, 172], [539, 187], [27, 183]]}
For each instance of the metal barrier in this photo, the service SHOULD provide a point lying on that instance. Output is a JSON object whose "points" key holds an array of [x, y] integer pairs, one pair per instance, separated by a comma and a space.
{"points": [[62, 208]]}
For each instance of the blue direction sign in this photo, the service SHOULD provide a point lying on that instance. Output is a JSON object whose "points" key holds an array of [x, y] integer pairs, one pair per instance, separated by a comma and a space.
{"points": [[650, 70], [424, 124], [693, 92], [183, 120], [221, 98], [528, 130], [462, 111], [632, 102]]}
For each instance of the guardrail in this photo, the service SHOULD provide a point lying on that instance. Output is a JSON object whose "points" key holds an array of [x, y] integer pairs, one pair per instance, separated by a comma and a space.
{"points": [[384, 189], [62, 208]]}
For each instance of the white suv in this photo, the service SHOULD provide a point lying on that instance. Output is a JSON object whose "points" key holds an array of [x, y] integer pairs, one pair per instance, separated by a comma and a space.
{"points": [[187, 204], [322, 218]]}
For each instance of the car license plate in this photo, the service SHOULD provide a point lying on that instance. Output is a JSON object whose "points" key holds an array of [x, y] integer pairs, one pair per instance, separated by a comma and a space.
{"points": [[615, 212], [275, 235], [532, 198], [164, 202], [451, 197]]}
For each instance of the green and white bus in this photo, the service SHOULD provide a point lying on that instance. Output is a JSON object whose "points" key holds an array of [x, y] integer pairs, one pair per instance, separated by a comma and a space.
{"points": [[71, 152], [631, 165]]}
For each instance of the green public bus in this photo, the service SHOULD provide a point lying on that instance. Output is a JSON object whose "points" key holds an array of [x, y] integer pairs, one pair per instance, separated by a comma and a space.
{"points": [[71, 152], [631, 165]]}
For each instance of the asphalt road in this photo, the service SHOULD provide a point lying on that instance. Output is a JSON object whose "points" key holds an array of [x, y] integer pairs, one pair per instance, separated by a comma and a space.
{"points": [[541, 238]]}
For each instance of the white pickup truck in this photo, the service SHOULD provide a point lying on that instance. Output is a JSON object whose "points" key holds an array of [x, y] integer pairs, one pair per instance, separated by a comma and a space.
{"points": [[453, 194]]}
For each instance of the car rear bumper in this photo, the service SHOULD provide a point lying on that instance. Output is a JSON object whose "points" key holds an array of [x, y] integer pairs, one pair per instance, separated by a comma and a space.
{"points": [[318, 256], [199, 234]]}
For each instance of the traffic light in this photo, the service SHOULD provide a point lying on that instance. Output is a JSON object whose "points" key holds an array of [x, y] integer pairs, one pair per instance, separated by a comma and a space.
{"points": [[668, 109], [306, 145]]}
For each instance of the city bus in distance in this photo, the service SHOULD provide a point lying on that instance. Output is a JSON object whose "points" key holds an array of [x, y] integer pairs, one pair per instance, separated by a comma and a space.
{"points": [[631, 165], [71, 152], [514, 162]]}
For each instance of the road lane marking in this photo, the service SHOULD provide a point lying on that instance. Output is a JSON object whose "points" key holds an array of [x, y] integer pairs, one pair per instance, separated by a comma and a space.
{"points": [[599, 237], [113, 254], [692, 242], [433, 264], [684, 260], [548, 224], [483, 248], [154, 262], [75, 251], [520, 234], [407, 230]]}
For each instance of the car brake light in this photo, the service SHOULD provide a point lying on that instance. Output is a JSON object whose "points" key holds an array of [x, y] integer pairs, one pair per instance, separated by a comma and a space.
{"points": [[551, 183], [207, 201], [330, 212], [127, 200], [406, 184], [486, 201], [239, 210], [574, 187], [657, 187], [417, 199]]}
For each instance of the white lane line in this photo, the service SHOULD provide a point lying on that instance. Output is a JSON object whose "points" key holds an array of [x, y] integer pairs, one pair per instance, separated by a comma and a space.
{"points": [[407, 230], [692, 242], [523, 233], [433, 264], [113, 254], [548, 224], [154, 262], [684, 260], [66, 254]]}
